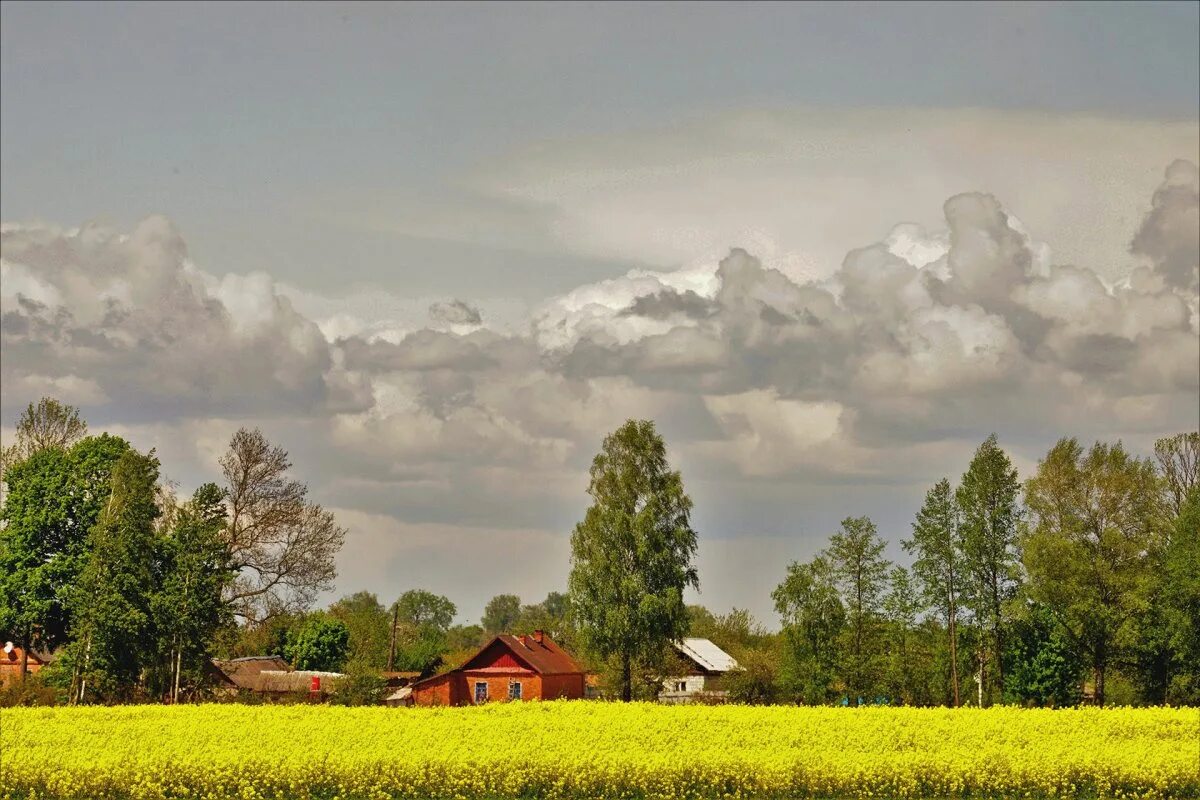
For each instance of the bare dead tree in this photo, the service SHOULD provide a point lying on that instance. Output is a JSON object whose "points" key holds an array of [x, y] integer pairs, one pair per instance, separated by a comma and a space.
{"points": [[282, 546], [1179, 465], [48, 423]]}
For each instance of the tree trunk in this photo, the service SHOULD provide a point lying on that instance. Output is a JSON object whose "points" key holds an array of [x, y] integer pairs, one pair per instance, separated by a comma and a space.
{"points": [[178, 667], [954, 655], [87, 658], [626, 678], [983, 659], [999, 659], [25, 657]]}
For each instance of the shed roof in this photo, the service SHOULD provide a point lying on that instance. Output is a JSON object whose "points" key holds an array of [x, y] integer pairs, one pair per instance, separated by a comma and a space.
{"points": [[297, 681], [244, 672], [400, 695], [706, 655]]}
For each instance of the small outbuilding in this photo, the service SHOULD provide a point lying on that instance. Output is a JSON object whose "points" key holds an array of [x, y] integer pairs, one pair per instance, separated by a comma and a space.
{"points": [[507, 668], [245, 674], [704, 665], [10, 662]]}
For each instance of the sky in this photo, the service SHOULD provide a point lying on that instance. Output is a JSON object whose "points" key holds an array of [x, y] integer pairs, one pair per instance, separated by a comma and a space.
{"points": [[438, 251]]}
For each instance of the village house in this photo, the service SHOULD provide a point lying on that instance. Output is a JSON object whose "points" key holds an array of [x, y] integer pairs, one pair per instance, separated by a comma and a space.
{"points": [[507, 668], [703, 667], [10, 662]]}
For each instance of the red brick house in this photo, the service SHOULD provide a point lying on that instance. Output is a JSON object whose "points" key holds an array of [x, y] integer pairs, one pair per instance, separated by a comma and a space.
{"points": [[506, 668], [10, 662]]}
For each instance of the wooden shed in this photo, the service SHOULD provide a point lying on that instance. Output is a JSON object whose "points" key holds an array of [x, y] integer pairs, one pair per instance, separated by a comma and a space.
{"points": [[506, 668], [703, 667]]}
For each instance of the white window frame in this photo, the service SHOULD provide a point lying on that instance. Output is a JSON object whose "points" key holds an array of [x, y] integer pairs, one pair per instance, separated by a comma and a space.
{"points": [[515, 690], [475, 692]]}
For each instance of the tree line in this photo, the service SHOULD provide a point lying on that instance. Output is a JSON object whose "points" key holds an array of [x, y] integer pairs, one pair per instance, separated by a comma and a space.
{"points": [[1085, 575], [131, 586], [1083, 579]]}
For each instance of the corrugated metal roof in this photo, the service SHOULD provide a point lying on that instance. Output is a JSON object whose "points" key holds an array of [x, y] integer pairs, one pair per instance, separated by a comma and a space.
{"points": [[707, 655], [544, 657], [298, 681], [400, 694]]}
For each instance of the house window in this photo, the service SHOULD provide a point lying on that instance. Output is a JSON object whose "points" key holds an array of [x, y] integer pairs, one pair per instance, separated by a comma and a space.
{"points": [[514, 690], [681, 686], [481, 691]]}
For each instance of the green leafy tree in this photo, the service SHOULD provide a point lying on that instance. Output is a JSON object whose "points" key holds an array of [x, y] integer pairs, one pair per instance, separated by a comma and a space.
{"points": [[632, 555], [737, 629], [552, 615], [501, 613], [464, 637], [988, 501], [421, 608], [902, 606], [321, 643], [1096, 525], [39, 557], [193, 570], [938, 565], [1180, 588], [756, 682], [359, 687], [113, 621], [54, 499], [701, 621], [813, 618], [422, 620], [860, 571], [370, 629], [1046, 669]]}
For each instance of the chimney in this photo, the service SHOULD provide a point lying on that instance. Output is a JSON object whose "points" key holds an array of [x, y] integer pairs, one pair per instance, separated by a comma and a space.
{"points": [[538, 636]]}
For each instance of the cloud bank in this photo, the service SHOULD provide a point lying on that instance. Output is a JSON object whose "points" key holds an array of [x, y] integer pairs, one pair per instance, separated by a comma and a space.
{"points": [[884, 372]]}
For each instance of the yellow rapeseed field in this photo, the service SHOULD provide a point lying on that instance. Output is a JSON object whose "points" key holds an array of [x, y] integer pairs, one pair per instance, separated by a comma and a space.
{"points": [[593, 749]]}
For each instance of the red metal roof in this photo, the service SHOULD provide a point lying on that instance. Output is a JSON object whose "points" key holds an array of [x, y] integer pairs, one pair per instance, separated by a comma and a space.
{"points": [[544, 657]]}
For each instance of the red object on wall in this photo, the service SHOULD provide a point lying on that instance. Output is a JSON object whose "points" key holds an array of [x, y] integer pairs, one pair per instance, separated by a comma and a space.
{"points": [[315, 684]]}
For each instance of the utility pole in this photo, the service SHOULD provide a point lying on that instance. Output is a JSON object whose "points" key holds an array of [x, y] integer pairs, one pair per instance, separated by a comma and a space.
{"points": [[392, 643]]}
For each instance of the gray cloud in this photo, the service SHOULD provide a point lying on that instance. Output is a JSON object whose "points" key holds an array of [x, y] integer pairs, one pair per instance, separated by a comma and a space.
{"points": [[1169, 236], [668, 303], [884, 374], [455, 312], [132, 315]]}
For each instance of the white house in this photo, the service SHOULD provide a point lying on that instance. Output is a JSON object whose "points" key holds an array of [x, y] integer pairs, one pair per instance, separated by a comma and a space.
{"points": [[705, 664]]}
